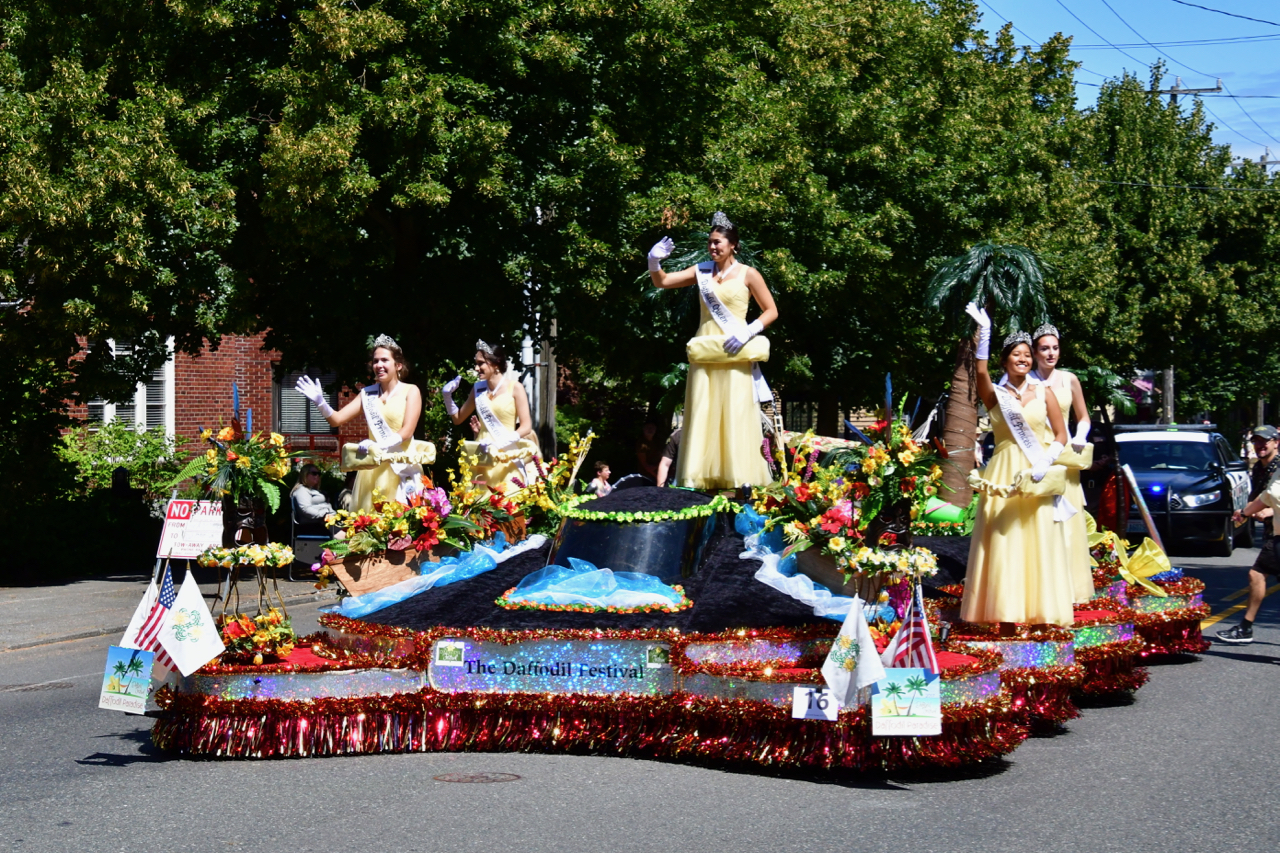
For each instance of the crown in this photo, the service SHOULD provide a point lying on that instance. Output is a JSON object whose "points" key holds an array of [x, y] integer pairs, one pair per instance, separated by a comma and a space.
{"points": [[1046, 329], [719, 220], [481, 346], [385, 341], [1015, 338]]}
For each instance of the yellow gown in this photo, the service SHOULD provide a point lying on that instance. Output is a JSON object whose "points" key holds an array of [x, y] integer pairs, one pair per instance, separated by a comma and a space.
{"points": [[491, 471], [382, 479], [1017, 559], [1073, 529], [720, 444]]}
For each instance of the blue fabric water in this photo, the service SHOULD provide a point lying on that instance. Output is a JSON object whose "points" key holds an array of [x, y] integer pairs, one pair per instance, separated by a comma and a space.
{"points": [[583, 583]]}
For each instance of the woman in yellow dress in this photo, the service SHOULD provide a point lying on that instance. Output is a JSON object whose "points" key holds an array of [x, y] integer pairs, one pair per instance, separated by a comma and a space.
{"points": [[722, 437], [1017, 560], [391, 408], [1066, 390], [506, 443]]}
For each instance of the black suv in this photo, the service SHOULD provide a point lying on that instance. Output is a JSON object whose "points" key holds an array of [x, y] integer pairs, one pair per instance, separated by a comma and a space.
{"points": [[1191, 481]]}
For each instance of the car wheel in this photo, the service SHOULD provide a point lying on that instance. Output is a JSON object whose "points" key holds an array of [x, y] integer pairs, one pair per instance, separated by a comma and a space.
{"points": [[1228, 543], [1244, 536]]}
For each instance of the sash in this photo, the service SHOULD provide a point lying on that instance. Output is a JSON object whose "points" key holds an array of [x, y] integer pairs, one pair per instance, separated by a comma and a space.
{"points": [[729, 324], [484, 408], [1027, 439], [388, 441]]}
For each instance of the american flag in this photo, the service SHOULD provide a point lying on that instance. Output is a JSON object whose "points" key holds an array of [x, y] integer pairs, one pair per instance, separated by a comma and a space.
{"points": [[149, 634], [912, 646]]}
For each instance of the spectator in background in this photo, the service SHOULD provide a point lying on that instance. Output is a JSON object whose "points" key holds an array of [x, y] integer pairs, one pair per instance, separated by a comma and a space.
{"points": [[1264, 495], [600, 485], [667, 465], [310, 506], [649, 451]]}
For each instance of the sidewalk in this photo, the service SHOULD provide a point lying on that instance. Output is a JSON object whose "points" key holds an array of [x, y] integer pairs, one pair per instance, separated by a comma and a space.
{"points": [[102, 606]]}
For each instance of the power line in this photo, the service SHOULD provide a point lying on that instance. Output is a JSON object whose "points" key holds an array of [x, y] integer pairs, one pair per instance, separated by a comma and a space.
{"points": [[1228, 14], [1100, 35], [1184, 43], [1197, 71], [1180, 186]]}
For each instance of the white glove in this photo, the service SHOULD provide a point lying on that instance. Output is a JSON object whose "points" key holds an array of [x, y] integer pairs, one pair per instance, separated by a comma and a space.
{"points": [[311, 389], [365, 446], [736, 343], [447, 393], [1038, 472], [661, 251], [984, 330], [1081, 437], [391, 444], [1055, 450]]}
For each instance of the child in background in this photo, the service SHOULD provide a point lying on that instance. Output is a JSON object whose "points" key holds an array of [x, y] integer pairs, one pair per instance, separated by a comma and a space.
{"points": [[600, 485]]}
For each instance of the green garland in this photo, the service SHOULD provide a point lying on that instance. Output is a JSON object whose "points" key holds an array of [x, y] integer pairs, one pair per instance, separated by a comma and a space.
{"points": [[569, 509]]}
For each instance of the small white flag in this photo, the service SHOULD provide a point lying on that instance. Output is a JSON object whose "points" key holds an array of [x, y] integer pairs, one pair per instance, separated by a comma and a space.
{"points": [[189, 634], [129, 640], [852, 663]]}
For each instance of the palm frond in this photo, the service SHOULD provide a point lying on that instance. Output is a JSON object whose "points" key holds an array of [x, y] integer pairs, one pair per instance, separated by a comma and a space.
{"points": [[1103, 387], [1006, 278]]}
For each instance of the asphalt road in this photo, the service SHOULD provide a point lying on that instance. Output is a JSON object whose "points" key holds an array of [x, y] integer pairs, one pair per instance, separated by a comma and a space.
{"points": [[1191, 764]]}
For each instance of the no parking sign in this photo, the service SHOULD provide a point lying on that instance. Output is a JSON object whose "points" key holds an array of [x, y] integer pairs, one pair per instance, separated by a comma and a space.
{"points": [[190, 527]]}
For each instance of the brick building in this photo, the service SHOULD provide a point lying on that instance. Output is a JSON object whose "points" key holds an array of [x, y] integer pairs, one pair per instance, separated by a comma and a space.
{"points": [[191, 393]]}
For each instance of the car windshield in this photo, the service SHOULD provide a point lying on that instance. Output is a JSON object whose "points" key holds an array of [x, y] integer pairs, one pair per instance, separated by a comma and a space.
{"points": [[1168, 455]]}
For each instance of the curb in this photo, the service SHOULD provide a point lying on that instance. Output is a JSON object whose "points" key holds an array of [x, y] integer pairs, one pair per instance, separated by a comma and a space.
{"points": [[318, 596]]}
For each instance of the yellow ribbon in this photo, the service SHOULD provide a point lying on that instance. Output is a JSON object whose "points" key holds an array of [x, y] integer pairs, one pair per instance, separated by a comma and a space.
{"points": [[1146, 561]]}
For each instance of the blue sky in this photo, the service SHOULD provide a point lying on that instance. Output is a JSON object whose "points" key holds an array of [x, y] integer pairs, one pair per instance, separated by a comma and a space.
{"points": [[1249, 65]]}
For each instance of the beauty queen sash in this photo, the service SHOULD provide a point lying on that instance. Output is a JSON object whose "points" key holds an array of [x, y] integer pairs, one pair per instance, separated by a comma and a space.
{"points": [[484, 408], [389, 440], [729, 324], [1027, 439]]}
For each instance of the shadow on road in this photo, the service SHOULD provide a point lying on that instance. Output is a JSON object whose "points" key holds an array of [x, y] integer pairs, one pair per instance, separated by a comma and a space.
{"points": [[146, 752]]}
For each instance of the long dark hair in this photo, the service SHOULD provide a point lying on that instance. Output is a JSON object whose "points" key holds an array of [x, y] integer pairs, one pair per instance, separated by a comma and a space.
{"points": [[497, 358], [397, 356]]}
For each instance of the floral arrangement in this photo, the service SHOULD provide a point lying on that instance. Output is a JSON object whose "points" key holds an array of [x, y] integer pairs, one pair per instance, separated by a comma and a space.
{"points": [[240, 466], [272, 555], [719, 503], [552, 486], [940, 528], [255, 637], [831, 507], [428, 519]]}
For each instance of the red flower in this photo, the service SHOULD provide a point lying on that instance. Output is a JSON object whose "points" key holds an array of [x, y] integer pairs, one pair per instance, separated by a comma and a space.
{"points": [[803, 493], [232, 456], [861, 490], [888, 539], [908, 485]]}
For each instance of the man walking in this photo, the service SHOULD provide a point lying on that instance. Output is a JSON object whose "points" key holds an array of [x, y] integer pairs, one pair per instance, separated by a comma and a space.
{"points": [[1264, 497]]}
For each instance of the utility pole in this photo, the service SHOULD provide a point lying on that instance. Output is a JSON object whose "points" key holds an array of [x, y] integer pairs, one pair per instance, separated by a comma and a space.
{"points": [[1173, 94]]}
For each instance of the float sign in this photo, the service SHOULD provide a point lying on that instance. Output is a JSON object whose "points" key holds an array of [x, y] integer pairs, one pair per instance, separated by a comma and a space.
{"points": [[190, 527], [608, 667], [907, 701], [127, 680]]}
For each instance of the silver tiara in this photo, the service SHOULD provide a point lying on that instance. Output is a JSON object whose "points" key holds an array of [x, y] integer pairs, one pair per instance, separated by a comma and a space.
{"points": [[719, 220], [1017, 338], [1046, 329], [481, 346], [384, 341]]}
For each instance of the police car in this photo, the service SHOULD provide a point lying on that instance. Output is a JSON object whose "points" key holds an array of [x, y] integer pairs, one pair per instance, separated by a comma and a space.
{"points": [[1192, 482]]}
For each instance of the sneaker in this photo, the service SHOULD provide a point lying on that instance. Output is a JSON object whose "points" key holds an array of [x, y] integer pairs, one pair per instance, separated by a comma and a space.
{"points": [[1239, 635]]}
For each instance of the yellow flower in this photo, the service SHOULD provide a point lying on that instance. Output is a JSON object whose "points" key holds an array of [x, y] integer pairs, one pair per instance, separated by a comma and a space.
{"points": [[206, 435], [868, 465], [837, 543], [243, 462], [906, 457], [277, 439], [211, 455]]}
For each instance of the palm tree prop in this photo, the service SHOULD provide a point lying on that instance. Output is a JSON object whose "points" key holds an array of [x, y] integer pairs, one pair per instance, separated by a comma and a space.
{"points": [[1106, 390], [1009, 282]]}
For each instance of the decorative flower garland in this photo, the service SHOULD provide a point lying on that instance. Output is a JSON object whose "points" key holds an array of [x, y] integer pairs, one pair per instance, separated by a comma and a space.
{"points": [[917, 562], [570, 509], [939, 528], [506, 602], [273, 554]]}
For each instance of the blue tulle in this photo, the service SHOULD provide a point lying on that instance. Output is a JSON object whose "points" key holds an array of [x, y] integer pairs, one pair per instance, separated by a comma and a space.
{"points": [[1174, 574], [583, 583]]}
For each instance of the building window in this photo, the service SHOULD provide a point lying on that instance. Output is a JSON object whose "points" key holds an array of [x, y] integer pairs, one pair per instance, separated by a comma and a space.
{"points": [[296, 414], [152, 406]]}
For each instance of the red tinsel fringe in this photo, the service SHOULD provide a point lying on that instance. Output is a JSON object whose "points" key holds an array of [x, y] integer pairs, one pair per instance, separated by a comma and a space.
{"points": [[1186, 586], [989, 632], [1112, 668], [676, 727], [1120, 613], [1172, 637], [1044, 695]]}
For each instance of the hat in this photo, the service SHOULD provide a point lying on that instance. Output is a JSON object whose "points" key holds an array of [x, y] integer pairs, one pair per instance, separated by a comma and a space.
{"points": [[1265, 431]]}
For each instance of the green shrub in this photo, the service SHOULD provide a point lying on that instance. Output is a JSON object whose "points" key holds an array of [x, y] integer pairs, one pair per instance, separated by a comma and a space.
{"points": [[151, 458]]}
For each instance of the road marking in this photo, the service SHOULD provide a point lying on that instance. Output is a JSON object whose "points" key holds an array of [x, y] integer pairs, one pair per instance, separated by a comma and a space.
{"points": [[16, 687], [1236, 608]]}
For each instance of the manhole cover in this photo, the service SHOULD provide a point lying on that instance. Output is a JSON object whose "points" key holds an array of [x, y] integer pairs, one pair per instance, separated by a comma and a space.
{"points": [[476, 777]]}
